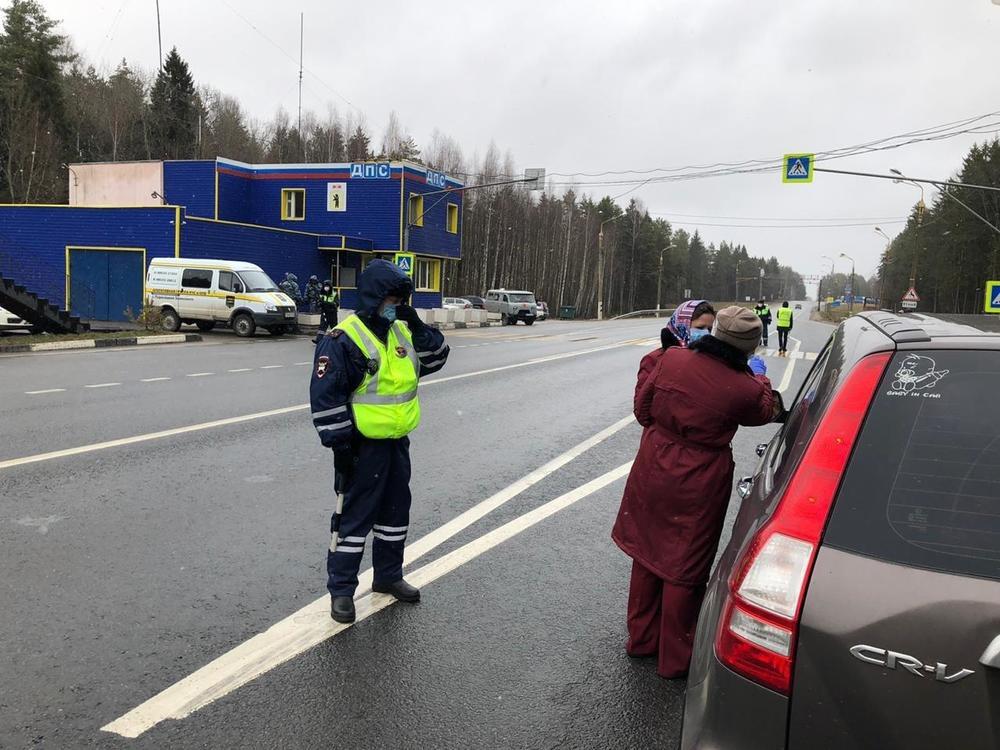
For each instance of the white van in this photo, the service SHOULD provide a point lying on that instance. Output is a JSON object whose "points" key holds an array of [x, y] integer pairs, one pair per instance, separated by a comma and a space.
{"points": [[10, 322], [513, 305], [206, 292]]}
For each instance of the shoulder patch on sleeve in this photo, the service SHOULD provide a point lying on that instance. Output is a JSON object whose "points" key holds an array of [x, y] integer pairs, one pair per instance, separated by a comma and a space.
{"points": [[322, 366], [335, 333]]}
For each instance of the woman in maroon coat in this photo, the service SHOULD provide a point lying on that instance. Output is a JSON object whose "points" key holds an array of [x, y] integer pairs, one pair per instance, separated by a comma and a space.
{"points": [[677, 493]]}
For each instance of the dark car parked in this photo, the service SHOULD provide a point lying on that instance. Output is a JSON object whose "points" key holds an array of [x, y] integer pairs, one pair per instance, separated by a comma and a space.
{"points": [[857, 604], [478, 303]]}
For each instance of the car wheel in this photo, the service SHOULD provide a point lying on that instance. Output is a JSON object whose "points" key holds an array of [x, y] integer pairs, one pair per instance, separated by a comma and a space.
{"points": [[528, 321], [170, 320], [504, 320], [205, 325], [244, 326]]}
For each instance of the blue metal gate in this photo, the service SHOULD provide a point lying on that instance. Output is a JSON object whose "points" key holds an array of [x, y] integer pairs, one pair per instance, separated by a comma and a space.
{"points": [[104, 282]]}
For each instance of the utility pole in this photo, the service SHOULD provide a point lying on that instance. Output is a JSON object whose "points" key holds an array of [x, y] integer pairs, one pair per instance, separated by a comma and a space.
{"points": [[659, 275], [853, 292], [302, 25], [159, 35], [760, 290], [600, 266], [737, 280]]}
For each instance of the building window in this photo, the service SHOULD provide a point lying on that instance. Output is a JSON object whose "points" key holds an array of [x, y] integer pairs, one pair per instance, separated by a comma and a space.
{"points": [[416, 210], [196, 278], [453, 218], [293, 204], [427, 275]]}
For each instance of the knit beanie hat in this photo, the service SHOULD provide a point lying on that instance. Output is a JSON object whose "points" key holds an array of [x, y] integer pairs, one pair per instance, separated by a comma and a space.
{"points": [[738, 327]]}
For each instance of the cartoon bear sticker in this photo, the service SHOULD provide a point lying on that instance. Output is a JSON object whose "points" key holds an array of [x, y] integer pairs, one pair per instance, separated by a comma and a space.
{"points": [[916, 373]]}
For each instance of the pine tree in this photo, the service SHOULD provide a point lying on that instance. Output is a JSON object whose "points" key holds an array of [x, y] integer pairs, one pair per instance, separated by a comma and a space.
{"points": [[359, 145], [174, 111]]}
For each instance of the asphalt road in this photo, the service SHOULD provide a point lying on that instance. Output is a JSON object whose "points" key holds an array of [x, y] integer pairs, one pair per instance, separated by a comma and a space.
{"points": [[131, 559]]}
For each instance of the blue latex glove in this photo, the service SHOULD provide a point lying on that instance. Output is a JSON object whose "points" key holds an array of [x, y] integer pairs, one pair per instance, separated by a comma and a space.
{"points": [[757, 365]]}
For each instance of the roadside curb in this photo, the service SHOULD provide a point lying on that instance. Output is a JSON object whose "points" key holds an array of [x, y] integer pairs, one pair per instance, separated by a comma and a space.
{"points": [[173, 338]]}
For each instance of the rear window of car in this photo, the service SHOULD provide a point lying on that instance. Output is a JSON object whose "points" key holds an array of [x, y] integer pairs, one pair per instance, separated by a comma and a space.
{"points": [[923, 486]]}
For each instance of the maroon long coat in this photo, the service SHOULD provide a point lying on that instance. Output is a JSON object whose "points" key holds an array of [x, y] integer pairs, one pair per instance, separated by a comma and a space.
{"points": [[677, 493]]}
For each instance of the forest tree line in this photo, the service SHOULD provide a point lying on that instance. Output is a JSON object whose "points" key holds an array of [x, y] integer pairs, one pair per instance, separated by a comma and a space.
{"points": [[55, 109]]}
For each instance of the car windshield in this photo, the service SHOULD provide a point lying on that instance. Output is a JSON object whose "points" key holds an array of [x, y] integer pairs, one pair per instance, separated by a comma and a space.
{"points": [[258, 281], [522, 297]]}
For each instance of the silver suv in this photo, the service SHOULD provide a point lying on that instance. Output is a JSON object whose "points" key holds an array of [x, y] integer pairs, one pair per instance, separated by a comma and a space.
{"points": [[512, 305], [857, 604]]}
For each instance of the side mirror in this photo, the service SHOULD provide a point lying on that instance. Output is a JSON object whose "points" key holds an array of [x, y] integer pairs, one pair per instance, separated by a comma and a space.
{"points": [[761, 448], [781, 413], [745, 487], [237, 288]]}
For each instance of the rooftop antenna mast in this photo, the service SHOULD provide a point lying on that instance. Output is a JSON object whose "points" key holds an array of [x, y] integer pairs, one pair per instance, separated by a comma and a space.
{"points": [[159, 35], [302, 140]]}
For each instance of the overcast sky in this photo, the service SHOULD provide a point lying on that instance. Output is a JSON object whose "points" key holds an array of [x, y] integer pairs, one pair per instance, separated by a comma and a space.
{"points": [[593, 87]]}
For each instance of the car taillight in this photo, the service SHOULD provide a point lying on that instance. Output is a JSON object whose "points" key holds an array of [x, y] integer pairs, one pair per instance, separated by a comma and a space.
{"points": [[760, 623]]}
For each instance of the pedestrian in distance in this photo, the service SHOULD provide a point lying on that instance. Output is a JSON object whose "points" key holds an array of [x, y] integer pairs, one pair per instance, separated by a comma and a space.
{"points": [[675, 500], [784, 325], [689, 322], [364, 401], [763, 311], [312, 293]]}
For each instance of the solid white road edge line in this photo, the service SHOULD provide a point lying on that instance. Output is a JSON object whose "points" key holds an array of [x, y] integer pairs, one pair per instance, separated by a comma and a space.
{"points": [[47, 390], [102, 385], [786, 378], [9, 463], [312, 625]]}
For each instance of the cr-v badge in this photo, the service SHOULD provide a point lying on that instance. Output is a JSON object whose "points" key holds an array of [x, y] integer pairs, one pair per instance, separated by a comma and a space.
{"points": [[892, 659]]}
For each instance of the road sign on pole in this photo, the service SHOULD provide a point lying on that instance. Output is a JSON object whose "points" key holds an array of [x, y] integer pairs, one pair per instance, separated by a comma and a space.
{"points": [[910, 299], [798, 168], [992, 297], [405, 262]]}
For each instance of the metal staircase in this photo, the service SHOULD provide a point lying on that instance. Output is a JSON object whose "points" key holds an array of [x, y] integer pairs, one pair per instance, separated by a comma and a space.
{"points": [[36, 310]]}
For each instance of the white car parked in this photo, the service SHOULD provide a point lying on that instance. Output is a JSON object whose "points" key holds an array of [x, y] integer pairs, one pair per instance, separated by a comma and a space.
{"points": [[456, 303], [10, 322]]}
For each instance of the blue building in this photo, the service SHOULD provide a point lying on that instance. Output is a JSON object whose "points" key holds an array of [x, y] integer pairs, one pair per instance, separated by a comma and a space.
{"points": [[90, 256]]}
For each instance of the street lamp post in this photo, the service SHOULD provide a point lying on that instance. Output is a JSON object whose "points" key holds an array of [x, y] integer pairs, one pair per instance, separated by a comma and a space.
{"points": [[845, 255], [600, 266], [659, 274]]}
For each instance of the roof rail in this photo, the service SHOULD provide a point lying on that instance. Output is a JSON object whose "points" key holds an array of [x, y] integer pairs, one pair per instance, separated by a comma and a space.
{"points": [[897, 328]]}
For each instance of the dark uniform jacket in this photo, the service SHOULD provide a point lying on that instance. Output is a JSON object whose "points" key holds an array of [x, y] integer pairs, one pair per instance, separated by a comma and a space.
{"points": [[339, 365]]}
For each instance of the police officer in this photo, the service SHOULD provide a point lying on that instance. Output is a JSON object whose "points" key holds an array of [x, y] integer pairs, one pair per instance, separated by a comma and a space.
{"points": [[329, 305], [784, 325], [763, 311], [364, 404], [312, 293], [290, 286]]}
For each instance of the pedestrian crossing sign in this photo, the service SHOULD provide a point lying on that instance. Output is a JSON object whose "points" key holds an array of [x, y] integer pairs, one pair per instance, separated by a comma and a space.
{"points": [[992, 297], [798, 168], [405, 262]]}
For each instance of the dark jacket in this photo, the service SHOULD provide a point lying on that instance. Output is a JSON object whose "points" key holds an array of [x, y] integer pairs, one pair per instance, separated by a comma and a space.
{"points": [[339, 365], [677, 493]]}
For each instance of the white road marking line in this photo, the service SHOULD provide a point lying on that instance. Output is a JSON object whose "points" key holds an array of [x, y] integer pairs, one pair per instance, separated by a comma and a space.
{"points": [[271, 367], [47, 390], [786, 378], [199, 374], [153, 380], [102, 385], [811, 356], [771, 352], [312, 625], [241, 369], [146, 437], [262, 415], [299, 364]]}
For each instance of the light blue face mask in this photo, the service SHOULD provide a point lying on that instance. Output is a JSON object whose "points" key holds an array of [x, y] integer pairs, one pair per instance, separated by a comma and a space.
{"points": [[697, 333], [389, 313]]}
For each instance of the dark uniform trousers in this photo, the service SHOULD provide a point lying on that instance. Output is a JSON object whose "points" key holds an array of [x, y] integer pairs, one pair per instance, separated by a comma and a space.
{"points": [[377, 499], [328, 315]]}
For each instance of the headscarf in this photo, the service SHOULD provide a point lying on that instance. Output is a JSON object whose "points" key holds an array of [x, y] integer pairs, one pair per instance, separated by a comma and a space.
{"points": [[680, 322]]}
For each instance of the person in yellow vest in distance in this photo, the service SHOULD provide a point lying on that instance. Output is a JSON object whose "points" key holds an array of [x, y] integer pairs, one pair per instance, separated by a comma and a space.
{"points": [[364, 402], [784, 325]]}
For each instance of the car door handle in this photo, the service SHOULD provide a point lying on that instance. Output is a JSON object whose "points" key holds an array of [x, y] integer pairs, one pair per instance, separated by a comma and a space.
{"points": [[762, 448], [744, 487], [991, 656]]}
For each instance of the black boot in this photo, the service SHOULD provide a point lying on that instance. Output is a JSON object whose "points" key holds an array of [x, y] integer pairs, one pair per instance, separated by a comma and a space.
{"points": [[400, 589], [342, 609]]}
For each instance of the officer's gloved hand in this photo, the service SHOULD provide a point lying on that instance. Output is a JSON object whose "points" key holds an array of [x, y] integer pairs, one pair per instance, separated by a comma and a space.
{"points": [[343, 462], [757, 365], [408, 315]]}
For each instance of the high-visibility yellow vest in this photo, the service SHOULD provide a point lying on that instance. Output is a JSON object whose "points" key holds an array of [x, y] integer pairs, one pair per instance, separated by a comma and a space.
{"points": [[784, 317], [762, 312], [329, 299], [385, 405]]}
